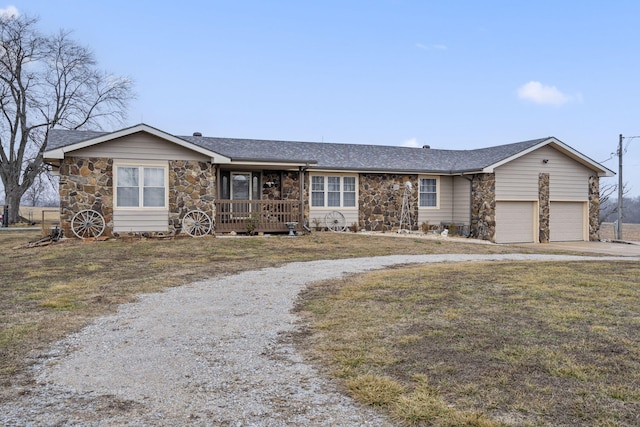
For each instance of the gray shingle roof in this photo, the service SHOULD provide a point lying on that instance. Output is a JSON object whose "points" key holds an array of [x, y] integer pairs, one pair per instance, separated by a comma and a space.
{"points": [[335, 156], [59, 138]]}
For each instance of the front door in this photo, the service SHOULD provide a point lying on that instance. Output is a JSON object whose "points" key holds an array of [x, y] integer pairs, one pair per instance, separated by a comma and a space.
{"points": [[240, 190], [240, 186]]}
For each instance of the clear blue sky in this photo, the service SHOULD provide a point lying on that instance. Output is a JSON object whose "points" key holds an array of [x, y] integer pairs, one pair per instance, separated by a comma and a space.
{"points": [[454, 75]]}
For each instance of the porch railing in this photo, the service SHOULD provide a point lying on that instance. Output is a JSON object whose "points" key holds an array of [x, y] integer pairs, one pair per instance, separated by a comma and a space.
{"points": [[256, 215]]}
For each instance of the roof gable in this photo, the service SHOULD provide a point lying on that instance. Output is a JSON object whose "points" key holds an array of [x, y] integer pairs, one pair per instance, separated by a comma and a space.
{"points": [[533, 145], [64, 141]]}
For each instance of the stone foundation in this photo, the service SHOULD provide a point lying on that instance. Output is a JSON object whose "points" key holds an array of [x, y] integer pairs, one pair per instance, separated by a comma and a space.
{"points": [[380, 201], [483, 207]]}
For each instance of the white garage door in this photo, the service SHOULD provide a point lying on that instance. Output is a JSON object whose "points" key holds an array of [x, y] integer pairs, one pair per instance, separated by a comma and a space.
{"points": [[566, 221], [515, 222]]}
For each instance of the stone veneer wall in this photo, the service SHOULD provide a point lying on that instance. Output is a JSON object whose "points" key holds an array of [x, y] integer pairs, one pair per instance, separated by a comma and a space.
{"points": [[86, 183], [380, 205], [544, 207], [594, 208], [271, 185], [483, 206], [192, 185], [291, 189], [290, 186]]}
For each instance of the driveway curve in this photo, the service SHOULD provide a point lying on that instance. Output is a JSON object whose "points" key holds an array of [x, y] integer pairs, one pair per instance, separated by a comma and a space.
{"points": [[207, 353]]}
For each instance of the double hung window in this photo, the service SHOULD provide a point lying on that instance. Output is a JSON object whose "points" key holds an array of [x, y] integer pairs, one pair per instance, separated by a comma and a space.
{"points": [[333, 191], [141, 187], [428, 192]]}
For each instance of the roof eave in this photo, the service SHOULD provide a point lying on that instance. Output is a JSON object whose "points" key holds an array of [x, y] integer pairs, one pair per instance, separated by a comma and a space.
{"points": [[236, 161], [382, 170], [57, 154]]}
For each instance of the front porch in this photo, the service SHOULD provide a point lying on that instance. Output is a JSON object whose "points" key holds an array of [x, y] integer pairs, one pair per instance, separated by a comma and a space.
{"points": [[254, 216]]}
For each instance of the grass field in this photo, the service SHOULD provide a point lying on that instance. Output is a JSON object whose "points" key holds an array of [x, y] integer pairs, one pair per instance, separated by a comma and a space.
{"points": [[484, 344], [479, 343], [43, 217], [629, 232]]}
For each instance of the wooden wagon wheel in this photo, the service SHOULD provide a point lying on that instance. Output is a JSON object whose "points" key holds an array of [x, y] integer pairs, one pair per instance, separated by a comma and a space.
{"points": [[87, 223], [335, 221], [196, 223]]}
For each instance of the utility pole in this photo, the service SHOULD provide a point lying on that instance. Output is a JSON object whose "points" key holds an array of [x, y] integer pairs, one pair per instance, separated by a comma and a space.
{"points": [[619, 236]]}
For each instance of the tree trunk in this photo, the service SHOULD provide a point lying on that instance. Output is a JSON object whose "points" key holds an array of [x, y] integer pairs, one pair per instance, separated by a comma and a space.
{"points": [[12, 199]]}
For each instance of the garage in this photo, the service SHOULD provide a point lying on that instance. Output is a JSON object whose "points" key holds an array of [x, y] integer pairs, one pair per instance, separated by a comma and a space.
{"points": [[515, 222], [566, 221]]}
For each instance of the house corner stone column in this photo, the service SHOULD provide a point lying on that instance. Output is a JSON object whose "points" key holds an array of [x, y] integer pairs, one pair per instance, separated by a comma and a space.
{"points": [[86, 183], [594, 208], [192, 185], [483, 206], [291, 190], [543, 207]]}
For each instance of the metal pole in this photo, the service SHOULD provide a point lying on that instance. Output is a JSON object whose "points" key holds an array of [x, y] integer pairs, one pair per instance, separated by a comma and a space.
{"points": [[619, 237]]}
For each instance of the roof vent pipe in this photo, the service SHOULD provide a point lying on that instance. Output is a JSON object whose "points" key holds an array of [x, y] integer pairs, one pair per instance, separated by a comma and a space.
{"points": [[197, 134], [426, 147]]}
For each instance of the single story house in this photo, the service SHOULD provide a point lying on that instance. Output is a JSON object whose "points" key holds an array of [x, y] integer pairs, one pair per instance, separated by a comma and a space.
{"points": [[143, 180]]}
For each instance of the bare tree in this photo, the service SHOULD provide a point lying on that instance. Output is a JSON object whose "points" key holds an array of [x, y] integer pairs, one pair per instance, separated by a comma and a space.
{"points": [[35, 194], [47, 82], [608, 209]]}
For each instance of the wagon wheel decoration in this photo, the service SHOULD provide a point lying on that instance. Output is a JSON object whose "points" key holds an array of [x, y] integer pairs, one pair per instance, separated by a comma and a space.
{"points": [[335, 221], [87, 223], [196, 223]]}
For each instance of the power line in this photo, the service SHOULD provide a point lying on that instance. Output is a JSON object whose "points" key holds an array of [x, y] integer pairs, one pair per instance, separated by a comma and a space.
{"points": [[629, 141], [610, 157]]}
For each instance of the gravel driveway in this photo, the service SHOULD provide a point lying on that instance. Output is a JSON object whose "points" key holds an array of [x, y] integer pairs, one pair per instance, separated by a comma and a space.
{"points": [[207, 353]]}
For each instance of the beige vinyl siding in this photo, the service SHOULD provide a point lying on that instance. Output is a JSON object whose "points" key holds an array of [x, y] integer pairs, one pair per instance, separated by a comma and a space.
{"points": [[567, 221], [515, 222], [518, 179], [570, 183], [461, 200], [140, 146], [318, 214], [140, 220], [444, 211]]}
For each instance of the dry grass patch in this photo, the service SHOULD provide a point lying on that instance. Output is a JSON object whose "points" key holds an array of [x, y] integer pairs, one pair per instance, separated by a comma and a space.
{"points": [[375, 390], [527, 343]]}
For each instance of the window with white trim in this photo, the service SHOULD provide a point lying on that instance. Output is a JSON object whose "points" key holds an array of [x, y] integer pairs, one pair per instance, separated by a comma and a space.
{"points": [[141, 186], [428, 192], [333, 191]]}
